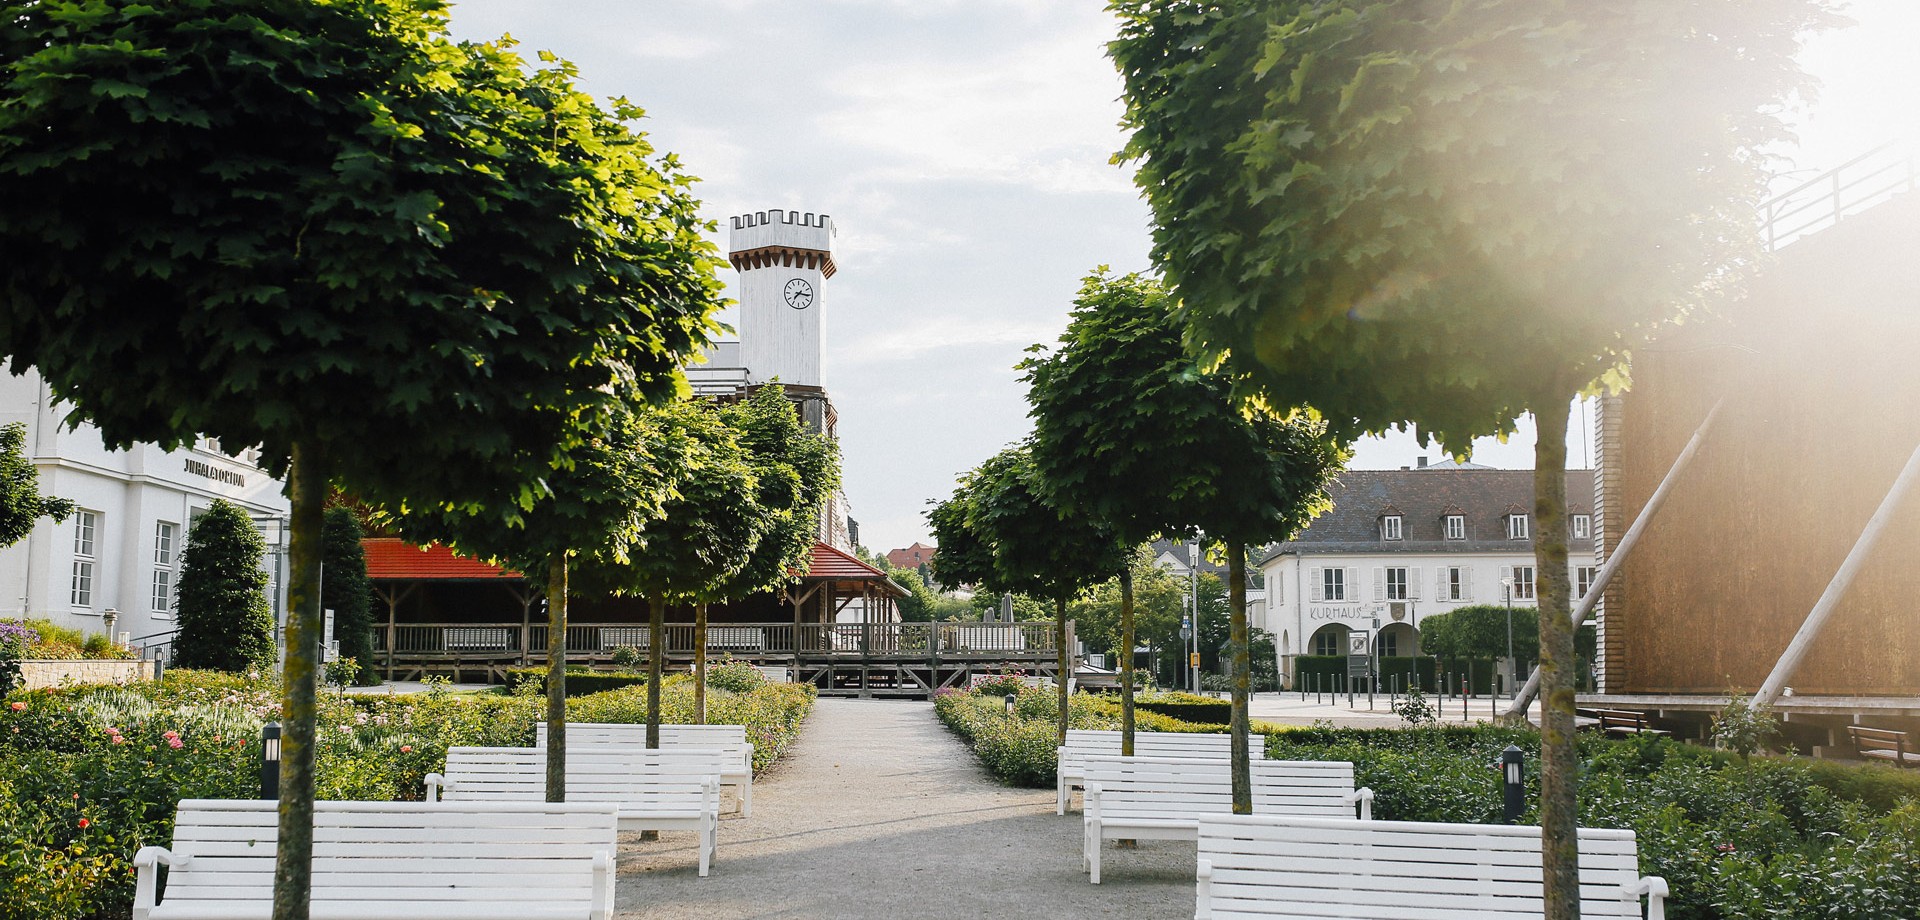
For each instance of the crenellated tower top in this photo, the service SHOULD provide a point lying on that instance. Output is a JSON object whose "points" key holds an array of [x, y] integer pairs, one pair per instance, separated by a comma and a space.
{"points": [[777, 238]]}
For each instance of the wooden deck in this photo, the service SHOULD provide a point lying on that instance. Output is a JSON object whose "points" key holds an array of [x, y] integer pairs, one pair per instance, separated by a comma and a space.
{"points": [[841, 659]]}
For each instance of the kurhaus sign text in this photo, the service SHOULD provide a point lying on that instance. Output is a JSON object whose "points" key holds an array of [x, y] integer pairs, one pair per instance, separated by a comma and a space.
{"points": [[201, 468]]}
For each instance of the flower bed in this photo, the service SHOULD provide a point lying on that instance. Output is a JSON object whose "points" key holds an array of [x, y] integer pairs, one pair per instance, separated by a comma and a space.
{"points": [[88, 776]]}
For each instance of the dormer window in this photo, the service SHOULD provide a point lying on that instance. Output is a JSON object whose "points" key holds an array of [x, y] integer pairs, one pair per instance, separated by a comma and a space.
{"points": [[1390, 527], [1582, 526], [1456, 526], [1516, 526]]}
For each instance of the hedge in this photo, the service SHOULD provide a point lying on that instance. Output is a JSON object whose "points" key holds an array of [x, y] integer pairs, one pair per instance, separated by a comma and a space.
{"points": [[1331, 673], [580, 681], [1211, 712]]}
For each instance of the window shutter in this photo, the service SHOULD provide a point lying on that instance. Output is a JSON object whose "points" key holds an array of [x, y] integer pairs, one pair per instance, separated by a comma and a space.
{"points": [[1466, 584], [1314, 582], [1440, 584], [1353, 583], [1413, 584], [1379, 583]]}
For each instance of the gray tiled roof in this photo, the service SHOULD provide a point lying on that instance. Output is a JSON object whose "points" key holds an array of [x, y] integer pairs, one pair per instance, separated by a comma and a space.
{"points": [[1423, 497]]}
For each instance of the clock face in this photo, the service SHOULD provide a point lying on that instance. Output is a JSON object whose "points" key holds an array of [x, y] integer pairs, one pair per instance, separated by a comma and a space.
{"points": [[799, 294]]}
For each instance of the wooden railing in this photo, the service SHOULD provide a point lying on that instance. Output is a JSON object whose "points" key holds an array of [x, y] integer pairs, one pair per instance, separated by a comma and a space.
{"points": [[745, 640]]}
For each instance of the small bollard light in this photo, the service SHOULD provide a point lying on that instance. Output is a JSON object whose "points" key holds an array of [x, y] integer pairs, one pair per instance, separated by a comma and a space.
{"points": [[1513, 776], [270, 761], [1009, 705]]}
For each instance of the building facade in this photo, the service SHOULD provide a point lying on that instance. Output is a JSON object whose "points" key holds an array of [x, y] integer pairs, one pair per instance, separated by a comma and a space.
{"points": [[121, 550], [1399, 546]]}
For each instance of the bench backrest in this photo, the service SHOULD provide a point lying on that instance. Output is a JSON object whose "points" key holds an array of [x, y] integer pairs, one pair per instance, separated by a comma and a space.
{"points": [[669, 780], [735, 637], [1086, 742], [484, 638], [729, 738], [1381, 870], [1182, 787], [612, 637], [1620, 718], [379, 852], [1877, 739]]}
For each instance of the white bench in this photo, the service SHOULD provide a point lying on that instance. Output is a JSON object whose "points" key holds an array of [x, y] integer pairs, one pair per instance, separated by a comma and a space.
{"points": [[389, 861], [676, 790], [749, 638], [732, 739], [1164, 798], [1086, 742], [612, 637], [476, 638], [1270, 866]]}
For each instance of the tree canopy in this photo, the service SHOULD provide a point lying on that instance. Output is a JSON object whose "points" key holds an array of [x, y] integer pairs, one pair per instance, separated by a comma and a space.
{"points": [[796, 472], [21, 504], [225, 620]]}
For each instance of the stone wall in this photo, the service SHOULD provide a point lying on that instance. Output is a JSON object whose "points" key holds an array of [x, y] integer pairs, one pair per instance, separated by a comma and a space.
{"points": [[36, 673]]}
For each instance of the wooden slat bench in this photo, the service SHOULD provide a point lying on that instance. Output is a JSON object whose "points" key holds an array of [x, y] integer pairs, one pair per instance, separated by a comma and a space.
{"points": [[737, 771], [1279, 866], [1164, 798], [476, 638], [612, 637], [729, 638], [1620, 723], [661, 790], [389, 861], [1085, 742], [1884, 744]]}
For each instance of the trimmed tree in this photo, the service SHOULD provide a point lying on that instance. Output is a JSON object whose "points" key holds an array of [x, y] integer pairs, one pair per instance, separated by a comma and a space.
{"points": [[1132, 431], [345, 590], [21, 504], [1027, 546], [225, 620], [407, 264], [795, 473], [1448, 215]]}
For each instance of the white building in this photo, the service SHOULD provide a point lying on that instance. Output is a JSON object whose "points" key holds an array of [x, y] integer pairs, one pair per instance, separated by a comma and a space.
{"points": [[1402, 545], [121, 550], [1175, 558]]}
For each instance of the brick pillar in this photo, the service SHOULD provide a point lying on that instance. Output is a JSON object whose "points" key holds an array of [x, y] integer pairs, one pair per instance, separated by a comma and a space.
{"points": [[1610, 523]]}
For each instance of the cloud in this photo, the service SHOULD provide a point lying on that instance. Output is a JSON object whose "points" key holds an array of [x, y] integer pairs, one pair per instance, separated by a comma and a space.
{"points": [[917, 339]]}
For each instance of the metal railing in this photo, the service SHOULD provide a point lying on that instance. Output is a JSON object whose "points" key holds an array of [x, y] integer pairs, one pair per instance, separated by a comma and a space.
{"points": [[746, 640], [1850, 188]]}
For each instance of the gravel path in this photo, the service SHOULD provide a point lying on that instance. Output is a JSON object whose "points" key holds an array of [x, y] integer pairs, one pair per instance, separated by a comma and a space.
{"points": [[880, 812]]}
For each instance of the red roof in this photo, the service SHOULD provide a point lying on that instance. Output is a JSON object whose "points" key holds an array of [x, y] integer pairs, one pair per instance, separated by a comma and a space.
{"points": [[911, 557], [395, 559]]}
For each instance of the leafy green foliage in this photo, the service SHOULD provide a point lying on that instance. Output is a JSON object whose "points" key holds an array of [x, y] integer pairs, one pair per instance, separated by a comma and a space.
{"points": [[1158, 600], [1001, 516], [795, 473], [1743, 728], [345, 590], [735, 676], [225, 621], [1480, 631], [21, 504]]}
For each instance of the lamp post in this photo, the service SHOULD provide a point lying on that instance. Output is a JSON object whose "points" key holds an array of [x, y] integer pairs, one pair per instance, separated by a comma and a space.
{"points": [[1193, 604], [1506, 591], [108, 618], [270, 761]]}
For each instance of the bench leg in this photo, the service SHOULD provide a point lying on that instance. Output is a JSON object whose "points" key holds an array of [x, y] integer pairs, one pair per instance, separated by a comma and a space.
{"points": [[746, 797], [1091, 847], [1060, 788]]}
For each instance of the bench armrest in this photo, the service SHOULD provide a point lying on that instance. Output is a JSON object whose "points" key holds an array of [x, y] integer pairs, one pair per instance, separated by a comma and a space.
{"points": [[1655, 888], [1203, 881], [146, 865], [436, 782], [749, 758], [602, 904], [1364, 796], [1090, 804]]}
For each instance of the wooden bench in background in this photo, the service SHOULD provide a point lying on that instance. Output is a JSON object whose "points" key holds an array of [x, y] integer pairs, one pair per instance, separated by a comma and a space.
{"points": [[736, 771], [613, 637], [476, 638], [1619, 723], [1280, 865], [389, 861], [657, 790], [1164, 798], [1884, 744], [1087, 742]]}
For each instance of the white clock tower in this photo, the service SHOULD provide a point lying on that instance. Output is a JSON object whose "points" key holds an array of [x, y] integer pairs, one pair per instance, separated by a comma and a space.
{"points": [[784, 259]]}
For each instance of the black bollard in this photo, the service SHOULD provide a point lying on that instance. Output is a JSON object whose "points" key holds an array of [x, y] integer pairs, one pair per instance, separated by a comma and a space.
{"points": [[1513, 777], [270, 761]]}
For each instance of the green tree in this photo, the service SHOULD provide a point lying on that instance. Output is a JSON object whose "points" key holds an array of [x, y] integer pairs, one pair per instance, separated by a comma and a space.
{"points": [[414, 266], [1480, 631], [921, 601], [21, 504], [345, 590], [1131, 430], [795, 473], [1032, 547], [226, 623], [1449, 214], [1159, 601]]}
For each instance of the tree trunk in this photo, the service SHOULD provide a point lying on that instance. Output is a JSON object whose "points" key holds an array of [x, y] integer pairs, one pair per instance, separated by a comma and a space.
{"points": [[700, 664], [293, 861], [1126, 661], [1064, 664], [1242, 681], [656, 662], [557, 678], [1559, 760]]}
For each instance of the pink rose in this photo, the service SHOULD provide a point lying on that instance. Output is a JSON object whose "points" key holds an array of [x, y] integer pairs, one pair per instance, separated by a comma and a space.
{"points": [[17, 705], [174, 743], [406, 749]]}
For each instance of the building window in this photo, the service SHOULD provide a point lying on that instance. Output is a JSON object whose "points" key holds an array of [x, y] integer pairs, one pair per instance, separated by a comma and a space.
{"points": [[1390, 527], [1456, 527], [1523, 582], [1388, 644], [1330, 641], [1582, 526], [1583, 578], [85, 526], [164, 537], [1516, 527], [1334, 584], [1396, 584], [1455, 583]]}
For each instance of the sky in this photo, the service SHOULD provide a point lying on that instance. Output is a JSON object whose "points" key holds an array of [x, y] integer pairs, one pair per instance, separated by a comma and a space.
{"points": [[963, 148]]}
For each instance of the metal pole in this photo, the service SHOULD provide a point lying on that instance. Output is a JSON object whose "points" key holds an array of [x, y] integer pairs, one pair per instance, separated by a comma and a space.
{"points": [[1193, 601], [1604, 577], [1769, 692]]}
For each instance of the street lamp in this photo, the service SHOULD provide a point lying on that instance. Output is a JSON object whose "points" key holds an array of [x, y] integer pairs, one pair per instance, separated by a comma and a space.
{"points": [[1193, 604], [1506, 590]]}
